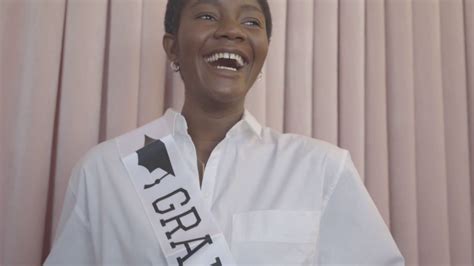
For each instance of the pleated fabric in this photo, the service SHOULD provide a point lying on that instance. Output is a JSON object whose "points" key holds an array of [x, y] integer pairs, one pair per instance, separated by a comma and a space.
{"points": [[392, 81]]}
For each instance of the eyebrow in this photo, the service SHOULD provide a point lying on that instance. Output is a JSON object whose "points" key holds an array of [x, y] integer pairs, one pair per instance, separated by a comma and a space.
{"points": [[252, 7], [214, 2], [205, 2]]}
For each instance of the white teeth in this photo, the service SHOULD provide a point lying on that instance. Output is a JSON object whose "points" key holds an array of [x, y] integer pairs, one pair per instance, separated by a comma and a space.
{"points": [[227, 68], [233, 56]]}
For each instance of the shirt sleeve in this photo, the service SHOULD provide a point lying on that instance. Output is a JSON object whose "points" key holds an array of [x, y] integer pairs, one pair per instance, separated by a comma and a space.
{"points": [[352, 232], [73, 243]]}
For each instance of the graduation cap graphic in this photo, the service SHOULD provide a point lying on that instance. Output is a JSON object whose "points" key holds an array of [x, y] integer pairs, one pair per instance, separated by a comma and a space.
{"points": [[155, 156]]}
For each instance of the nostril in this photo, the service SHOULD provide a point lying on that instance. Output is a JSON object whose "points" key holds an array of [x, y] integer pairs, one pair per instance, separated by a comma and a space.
{"points": [[230, 31], [231, 36]]}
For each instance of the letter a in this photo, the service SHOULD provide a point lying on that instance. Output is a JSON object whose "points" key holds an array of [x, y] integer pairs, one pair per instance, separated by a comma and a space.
{"points": [[204, 240]]}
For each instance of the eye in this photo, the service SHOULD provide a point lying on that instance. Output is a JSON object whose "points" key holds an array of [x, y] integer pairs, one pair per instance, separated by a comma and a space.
{"points": [[253, 23], [206, 17]]}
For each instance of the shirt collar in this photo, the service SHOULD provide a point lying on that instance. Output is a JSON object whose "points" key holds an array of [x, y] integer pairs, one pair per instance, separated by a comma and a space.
{"points": [[177, 123], [252, 123]]}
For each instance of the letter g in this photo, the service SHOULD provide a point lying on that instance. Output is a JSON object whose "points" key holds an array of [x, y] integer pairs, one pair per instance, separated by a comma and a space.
{"points": [[171, 207]]}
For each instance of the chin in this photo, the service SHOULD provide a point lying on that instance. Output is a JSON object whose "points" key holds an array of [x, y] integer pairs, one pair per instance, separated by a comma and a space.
{"points": [[228, 95]]}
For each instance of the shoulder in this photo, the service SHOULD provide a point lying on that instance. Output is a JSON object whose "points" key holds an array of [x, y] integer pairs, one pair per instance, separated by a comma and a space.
{"points": [[320, 159], [307, 146], [99, 154], [105, 157], [111, 150], [93, 165]]}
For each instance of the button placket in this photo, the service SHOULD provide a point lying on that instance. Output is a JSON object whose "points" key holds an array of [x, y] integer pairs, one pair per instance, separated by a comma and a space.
{"points": [[193, 158], [189, 155], [210, 173]]}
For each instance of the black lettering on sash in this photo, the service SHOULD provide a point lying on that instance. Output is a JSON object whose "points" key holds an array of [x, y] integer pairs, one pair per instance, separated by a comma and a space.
{"points": [[171, 208], [217, 263], [157, 181], [177, 218], [204, 240]]}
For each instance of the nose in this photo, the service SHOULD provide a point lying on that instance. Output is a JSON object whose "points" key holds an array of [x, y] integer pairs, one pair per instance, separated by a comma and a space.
{"points": [[230, 29]]}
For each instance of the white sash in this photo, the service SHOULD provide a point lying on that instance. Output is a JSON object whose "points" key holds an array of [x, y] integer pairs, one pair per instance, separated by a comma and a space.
{"points": [[182, 222]]}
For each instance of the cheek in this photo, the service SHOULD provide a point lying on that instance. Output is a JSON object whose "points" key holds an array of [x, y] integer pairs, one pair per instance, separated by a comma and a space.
{"points": [[190, 56], [187, 59], [186, 50], [190, 44], [261, 50]]}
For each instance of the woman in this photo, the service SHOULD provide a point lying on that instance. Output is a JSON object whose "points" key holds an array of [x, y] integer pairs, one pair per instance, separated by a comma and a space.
{"points": [[211, 186]]}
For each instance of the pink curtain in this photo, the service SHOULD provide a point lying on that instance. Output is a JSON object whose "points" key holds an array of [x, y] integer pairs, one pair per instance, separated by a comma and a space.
{"points": [[390, 80]]}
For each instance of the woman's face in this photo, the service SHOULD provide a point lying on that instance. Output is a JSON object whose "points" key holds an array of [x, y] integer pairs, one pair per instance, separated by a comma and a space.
{"points": [[221, 46]]}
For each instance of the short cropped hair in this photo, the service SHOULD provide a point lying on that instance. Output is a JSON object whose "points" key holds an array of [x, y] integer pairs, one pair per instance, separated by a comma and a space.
{"points": [[174, 8]]}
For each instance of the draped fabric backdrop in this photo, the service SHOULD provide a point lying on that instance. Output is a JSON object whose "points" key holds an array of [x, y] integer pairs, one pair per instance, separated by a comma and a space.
{"points": [[392, 81]]}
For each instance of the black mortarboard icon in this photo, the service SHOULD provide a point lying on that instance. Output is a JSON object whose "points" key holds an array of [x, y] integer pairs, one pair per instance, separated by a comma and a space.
{"points": [[153, 156]]}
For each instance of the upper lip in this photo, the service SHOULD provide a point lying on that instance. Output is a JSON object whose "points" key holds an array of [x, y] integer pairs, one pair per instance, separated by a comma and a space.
{"points": [[230, 50]]}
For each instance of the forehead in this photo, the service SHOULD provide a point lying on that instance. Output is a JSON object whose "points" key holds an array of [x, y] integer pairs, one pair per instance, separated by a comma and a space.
{"points": [[245, 4]]}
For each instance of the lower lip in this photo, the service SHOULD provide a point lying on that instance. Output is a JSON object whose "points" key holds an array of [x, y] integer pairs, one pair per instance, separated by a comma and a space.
{"points": [[225, 72]]}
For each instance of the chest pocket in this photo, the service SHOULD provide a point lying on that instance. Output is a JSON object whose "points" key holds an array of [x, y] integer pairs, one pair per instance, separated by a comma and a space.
{"points": [[275, 237]]}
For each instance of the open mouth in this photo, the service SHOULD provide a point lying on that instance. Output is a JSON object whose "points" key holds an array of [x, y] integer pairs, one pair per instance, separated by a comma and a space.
{"points": [[227, 61]]}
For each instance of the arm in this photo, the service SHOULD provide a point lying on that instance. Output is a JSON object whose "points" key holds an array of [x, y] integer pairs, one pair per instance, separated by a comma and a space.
{"points": [[352, 230], [73, 243]]}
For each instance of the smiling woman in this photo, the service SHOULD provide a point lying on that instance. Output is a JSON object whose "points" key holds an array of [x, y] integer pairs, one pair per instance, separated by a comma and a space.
{"points": [[220, 48], [210, 185]]}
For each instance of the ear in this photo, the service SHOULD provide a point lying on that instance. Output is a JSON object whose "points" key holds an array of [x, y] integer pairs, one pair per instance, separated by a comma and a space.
{"points": [[170, 45]]}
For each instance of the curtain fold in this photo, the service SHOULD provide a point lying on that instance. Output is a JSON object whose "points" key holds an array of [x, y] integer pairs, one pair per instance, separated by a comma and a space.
{"points": [[274, 72], [429, 135], [468, 7], [123, 72], [453, 58], [31, 54], [151, 102], [79, 106], [392, 81], [401, 127], [325, 66], [351, 75], [376, 143], [298, 68]]}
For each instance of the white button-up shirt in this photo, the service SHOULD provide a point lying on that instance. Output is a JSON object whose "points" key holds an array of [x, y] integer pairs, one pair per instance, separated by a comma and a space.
{"points": [[279, 199]]}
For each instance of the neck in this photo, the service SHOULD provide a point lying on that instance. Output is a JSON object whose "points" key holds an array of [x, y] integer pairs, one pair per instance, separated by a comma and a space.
{"points": [[208, 126]]}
